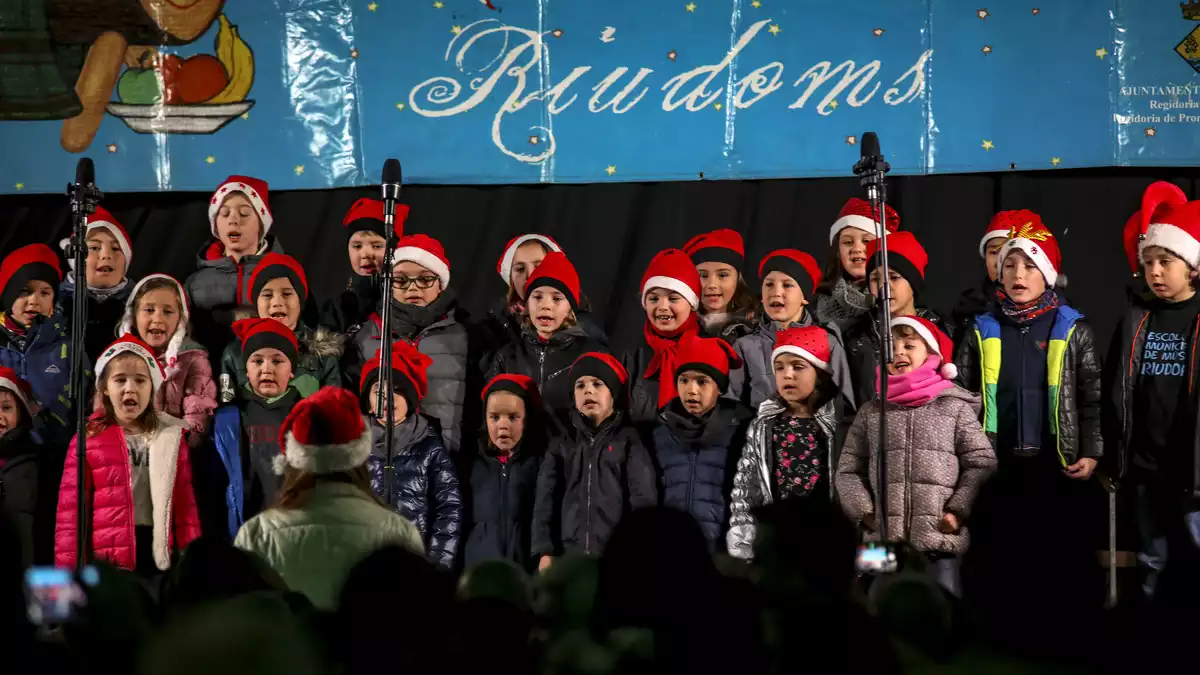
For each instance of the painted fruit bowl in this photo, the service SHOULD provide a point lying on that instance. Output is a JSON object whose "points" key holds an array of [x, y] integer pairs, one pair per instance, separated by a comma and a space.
{"points": [[194, 118]]}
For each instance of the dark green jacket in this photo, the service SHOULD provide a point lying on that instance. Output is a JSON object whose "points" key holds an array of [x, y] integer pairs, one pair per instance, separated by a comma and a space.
{"points": [[318, 367]]}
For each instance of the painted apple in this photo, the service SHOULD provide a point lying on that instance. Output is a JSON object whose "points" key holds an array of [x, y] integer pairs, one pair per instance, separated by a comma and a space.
{"points": [[170, 67], [200, 78], [139, 86]]}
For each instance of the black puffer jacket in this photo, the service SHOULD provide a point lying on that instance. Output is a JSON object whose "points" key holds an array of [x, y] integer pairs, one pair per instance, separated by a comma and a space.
{"points": [[29, 493], [548, 362], [697, 459], [862, 350], [975, 300], [103, 316], [424, 484], [589, 479], [499, 505], [642, 391], [1079, 392], [1124, 360]]}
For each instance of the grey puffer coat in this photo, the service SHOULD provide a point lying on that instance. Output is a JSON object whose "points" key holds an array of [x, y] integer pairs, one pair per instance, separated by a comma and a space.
{"points": [[754, 382], [217, 288], [938, 458], [752, 482], [452, 373]]}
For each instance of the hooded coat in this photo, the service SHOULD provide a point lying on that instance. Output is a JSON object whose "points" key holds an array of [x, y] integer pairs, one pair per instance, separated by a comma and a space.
{"points": [[110, 496], [424, 484], [189, 391], [313, 548], [937, 459], [697, 458], [320, 353], [589, 479], [499, 505], [103, 315]]}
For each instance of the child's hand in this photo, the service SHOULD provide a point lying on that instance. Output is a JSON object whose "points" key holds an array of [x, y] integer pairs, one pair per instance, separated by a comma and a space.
{"points": [[1081, 470], [544, 563], [948, 524]]}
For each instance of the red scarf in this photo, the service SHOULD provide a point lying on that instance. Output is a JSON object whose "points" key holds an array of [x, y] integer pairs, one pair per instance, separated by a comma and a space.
{"points": [[12, 326], [665, 360]]}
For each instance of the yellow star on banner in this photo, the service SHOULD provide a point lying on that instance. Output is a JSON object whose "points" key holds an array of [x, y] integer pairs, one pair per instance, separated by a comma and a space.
{"points": [[982, 13], [399, 106], [246, 115], [1150, 132], [691, 7], [354, 53], [610, 170], [987, 49], [534, 140], [878, 32], [438, 4], [20, 186], [851, 140], [372, 7], [1101, 53], [988, 145], [833, 105], [1056, 160], [299, 169], [756, 4], [210, 159], [112, 147], [718, 106], [1036, 11], [456, 29], [774, 29]]}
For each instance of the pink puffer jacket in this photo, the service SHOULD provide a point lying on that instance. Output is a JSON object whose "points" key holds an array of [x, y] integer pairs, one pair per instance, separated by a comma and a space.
{"points": [[189, 392], [107, 489]]}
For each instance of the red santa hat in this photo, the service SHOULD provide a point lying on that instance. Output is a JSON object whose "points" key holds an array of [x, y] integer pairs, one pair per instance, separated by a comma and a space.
{"points": [[673, 270], [35, 262], [936, 340], [603, 367], [366, 215], [857, 213], [256, 334], [810, 343], [426, 252], [130, 344], [712, 356], [521, 385], [254, 189], [504, 265], [719, 246], [129, 320], [103, 220], [409, 372], [905, 255], [10, 380], [798, 265], [325, 433], [1170, 221], [1036, 241], [275, 266], [556, 272], [1002, 223]]}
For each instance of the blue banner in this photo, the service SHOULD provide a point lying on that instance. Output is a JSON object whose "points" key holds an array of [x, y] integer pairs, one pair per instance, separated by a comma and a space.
{"points": [[178, 94]]}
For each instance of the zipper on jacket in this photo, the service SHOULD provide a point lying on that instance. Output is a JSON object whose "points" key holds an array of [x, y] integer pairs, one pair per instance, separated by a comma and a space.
{"points": [[691, 480], [907, 478], [541, 367], [587, 533], [504, 520], [1021, 394]]}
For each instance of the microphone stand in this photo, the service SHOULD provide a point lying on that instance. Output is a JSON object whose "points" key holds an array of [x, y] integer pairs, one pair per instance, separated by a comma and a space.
{"points": [[385, 400], [84, 199], [871, 171]]}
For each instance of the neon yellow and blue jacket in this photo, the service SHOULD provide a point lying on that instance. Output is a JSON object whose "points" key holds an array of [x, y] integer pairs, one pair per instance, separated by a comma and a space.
{"points": [[1072, 381]]}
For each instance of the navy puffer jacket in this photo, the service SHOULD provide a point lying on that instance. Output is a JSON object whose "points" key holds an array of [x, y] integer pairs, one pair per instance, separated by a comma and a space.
{"points": [[42, 357], [424, 484], [500, 505], [697, 457]]}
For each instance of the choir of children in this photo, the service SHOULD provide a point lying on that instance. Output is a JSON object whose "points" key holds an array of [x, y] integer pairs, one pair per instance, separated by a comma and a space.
{"points": [[780, 400]]}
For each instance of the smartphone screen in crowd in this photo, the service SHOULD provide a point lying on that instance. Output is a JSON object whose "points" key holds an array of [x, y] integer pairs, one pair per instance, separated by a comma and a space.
{"points": [[55, 596], [876, 559]]}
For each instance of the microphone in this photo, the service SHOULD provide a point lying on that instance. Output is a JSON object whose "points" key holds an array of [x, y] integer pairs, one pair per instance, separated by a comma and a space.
{"points": [[85, 172], [391, 188], [870, 145]]}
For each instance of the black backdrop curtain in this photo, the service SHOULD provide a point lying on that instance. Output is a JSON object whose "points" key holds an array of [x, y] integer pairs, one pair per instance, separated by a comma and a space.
{"points": [[610, 231]]}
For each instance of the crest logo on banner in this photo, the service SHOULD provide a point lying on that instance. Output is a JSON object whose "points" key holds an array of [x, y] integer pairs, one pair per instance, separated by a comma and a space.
{"points": [[1189, 48]]}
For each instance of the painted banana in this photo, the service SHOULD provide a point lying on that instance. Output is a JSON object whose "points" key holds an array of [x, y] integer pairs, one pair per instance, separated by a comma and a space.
{"points": [[235, 55]]}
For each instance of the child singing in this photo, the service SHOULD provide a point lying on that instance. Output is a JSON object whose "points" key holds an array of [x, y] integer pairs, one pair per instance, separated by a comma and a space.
{"points": [[842, 298], [727, 310]]}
